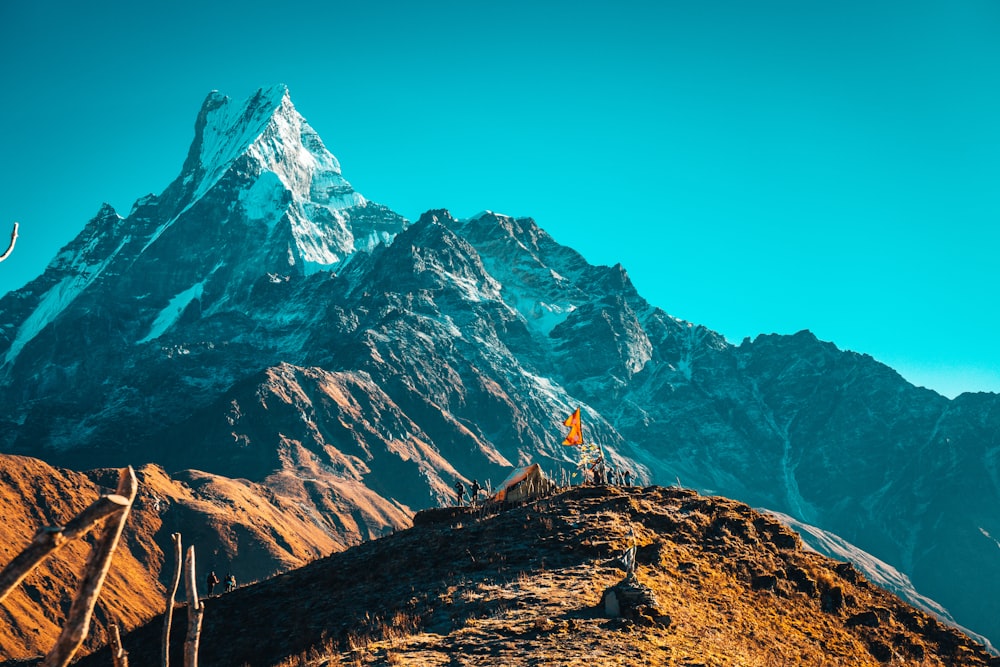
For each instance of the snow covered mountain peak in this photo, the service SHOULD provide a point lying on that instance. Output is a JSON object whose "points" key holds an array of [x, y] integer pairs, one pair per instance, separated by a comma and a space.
{"points": [[268, 130], [272, 170], [259, 197]]}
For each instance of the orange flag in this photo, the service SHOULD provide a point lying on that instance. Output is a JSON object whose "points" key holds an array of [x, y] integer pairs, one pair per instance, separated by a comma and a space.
{"points": [[575, 436]]}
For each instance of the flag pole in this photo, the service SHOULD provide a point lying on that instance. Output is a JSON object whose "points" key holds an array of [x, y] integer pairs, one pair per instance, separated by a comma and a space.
{"points": [[601, 464]]}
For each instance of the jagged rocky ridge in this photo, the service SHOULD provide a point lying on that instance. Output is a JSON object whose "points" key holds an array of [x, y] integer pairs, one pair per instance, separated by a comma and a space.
{"points": [[259, 319]]}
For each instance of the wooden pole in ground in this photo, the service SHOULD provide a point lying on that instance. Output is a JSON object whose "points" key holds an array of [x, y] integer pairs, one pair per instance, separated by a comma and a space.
{"points": [[168, 616], [119, 657], [195, 612], [98, 563]]}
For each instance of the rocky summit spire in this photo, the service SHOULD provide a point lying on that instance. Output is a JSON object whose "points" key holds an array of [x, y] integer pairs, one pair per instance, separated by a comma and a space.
{"points": [[262, 162], [259, 197], [266, 131]]}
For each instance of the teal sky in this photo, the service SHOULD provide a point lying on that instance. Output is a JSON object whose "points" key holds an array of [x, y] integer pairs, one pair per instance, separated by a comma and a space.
{"points": [[757, 167]]}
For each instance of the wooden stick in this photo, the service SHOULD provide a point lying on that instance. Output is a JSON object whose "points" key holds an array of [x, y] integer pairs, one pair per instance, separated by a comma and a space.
{"points": [[98, 563], [119, 657], [10, 248], [195, 612], [168, 616], [49, 539]]}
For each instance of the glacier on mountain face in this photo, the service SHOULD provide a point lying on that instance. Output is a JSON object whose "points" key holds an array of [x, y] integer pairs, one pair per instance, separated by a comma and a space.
{"points": [[263, 200], [173, 311], [55, 301], [229, 130], [52, 303], [290, 174]]}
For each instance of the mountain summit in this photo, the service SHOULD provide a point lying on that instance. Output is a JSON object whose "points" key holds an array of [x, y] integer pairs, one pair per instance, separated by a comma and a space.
{"points": [[282, 166], [260, 322], [259, 194]]}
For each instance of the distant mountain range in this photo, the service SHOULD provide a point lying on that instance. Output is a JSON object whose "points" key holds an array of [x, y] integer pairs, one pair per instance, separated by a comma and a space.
{"points": [[330, 362]]}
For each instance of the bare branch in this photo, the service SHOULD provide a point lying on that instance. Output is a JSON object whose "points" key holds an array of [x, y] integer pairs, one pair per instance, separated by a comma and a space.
{"points": [[10, 248], [119, 656], [98, 564], [195, 612], [168, 616], [49, 539]]}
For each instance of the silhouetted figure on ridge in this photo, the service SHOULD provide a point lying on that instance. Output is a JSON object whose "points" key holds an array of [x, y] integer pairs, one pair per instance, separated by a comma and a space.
{"points": [[211, 581]]}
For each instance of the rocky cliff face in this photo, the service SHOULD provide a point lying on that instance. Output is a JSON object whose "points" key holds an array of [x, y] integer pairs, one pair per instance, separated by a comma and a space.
{"points": [[261, 320]]}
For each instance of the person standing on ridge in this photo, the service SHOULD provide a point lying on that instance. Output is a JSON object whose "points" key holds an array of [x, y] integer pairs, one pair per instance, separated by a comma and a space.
{"points": [[460, 492], [474, 492], [211, 581]]}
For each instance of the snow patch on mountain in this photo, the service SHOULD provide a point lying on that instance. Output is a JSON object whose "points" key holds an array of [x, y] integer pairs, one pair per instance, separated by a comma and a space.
{"points": [[263, 200], [793, 494], [143, 201], [554, 399], [318, 247], [535, 287], [169, 315], [541, 313], [372, 241], [58, 297], [53, 303], [326, 185], [470, 288], [695, 341], [229, 129], [292, 150], [450, 328], [540, 316]]}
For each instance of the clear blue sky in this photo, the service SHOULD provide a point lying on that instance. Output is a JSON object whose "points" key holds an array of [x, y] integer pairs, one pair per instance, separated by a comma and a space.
{"points": [[757, 167]]}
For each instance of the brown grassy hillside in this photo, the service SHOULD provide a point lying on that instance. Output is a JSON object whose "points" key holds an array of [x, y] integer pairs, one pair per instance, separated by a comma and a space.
{"points": [[34, 494], [253, 529], [524, 587]]}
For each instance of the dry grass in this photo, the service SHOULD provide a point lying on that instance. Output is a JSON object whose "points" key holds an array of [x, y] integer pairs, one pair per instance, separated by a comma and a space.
{"points": [[551, 616], [525, 588]]}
